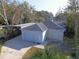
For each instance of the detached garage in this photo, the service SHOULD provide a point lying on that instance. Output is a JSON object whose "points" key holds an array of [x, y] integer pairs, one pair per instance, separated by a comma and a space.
{"points": [[55, 32], [34, 33]]}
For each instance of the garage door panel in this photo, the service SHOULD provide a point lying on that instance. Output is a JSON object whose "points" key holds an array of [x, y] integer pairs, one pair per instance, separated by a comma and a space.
{"points": [[32, 36]]}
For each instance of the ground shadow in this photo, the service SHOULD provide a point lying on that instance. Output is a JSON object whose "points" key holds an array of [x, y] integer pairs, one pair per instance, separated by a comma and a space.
{"points": [[17, 43]]}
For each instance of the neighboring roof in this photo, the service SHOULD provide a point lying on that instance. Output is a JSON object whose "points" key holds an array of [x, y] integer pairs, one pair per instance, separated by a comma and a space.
{"points": [[51, 25], [19, 25], [36, 27], [25, 25], [61, 23]]}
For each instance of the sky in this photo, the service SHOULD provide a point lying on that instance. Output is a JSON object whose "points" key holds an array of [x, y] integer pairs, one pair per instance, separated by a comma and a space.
{"points": [[48, 5]]}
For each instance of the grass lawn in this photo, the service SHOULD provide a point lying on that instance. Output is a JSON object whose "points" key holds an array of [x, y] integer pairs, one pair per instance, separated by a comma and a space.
{"points": [[30, 52], [47, 53], [1, 44]]}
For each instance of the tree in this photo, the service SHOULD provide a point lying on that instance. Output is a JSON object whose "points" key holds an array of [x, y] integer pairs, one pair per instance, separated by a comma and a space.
{"points": [[6, 11], [60, 16], [26, 12], [73, 10], [73, 6], [3, 14], [10, 12], [42, 16], [16, 15]]}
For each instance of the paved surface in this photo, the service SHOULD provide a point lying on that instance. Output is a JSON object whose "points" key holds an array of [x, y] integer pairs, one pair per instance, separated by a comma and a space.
{"points": [[15, 48]]}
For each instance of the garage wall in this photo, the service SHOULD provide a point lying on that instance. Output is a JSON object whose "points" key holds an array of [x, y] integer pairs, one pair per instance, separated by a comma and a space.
{"points": [[32, 36], [55, 35]]}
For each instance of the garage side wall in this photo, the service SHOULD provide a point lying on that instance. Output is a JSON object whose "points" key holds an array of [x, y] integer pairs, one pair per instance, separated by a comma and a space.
{"points": [[55, 35]]}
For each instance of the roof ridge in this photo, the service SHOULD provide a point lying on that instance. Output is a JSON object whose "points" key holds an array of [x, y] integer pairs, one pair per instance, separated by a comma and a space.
{"points": [[39, 25], [52, 25]]}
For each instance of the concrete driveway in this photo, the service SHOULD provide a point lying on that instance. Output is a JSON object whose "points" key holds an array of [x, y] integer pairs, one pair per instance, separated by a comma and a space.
{"points": [[15, 48]]}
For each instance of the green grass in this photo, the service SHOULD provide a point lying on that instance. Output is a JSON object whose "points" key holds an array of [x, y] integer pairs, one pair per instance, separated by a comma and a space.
{"points": [[30, 52], [48, 53], [70, 43], [1, 45], [2, 32]]}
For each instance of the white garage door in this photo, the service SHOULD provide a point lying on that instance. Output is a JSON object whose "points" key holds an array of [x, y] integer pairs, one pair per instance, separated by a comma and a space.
{"points": [[33, 36]]}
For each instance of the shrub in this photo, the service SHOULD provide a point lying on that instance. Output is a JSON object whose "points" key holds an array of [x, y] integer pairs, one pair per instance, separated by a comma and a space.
{"points": [[9, 32], [47, 53]]}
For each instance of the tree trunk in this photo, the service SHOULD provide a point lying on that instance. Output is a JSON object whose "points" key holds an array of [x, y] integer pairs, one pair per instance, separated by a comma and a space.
{"points": [[4, 12]]}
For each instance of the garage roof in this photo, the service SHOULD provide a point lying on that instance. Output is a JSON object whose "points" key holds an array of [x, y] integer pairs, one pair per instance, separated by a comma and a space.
{"points": [[36, 27], [51, 25]]}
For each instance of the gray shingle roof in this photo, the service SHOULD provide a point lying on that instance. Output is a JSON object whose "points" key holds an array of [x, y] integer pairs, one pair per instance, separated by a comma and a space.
{"points": [[36, 27], [33, 28], [51, 25]]}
